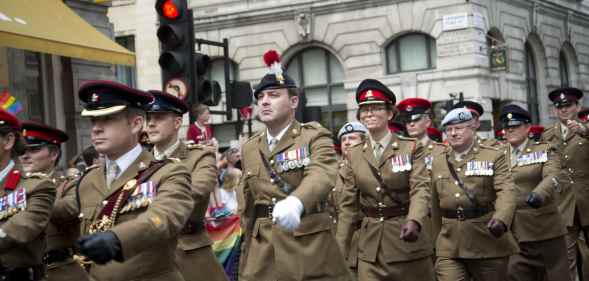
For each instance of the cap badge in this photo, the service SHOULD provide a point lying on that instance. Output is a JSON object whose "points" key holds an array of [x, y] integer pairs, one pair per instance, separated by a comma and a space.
{"points": [[349, 128], [509, 116], [280, 78], [94, 97], [409, 108], [562, 96], [369, 94], [461, 116], [24, 133]]}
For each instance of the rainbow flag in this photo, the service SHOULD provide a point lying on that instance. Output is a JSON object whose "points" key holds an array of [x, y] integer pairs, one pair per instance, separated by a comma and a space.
{"points": [[10, 103], [225, 231]]}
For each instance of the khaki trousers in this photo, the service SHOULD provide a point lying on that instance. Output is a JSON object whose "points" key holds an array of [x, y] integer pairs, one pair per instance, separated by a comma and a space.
{"points": [[415, 270], [456, 269], [540, 260]]}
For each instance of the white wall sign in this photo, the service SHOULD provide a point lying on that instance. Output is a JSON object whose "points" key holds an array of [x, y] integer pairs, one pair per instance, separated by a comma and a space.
{"points": [[454, 22]]}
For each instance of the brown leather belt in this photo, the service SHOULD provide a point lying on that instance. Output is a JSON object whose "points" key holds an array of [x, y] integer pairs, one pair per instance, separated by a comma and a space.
{"points": [[265, 210], [465, 214], [193, 227], [58, 255], [385, 212]]}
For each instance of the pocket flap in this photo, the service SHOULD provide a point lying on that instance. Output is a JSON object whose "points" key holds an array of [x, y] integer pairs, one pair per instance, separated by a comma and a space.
{"points": [[313, 223]]}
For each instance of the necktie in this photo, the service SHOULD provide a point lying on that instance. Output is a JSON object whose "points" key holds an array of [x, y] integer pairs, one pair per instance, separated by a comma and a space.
{"points": [[377, 150], [112, 173], [514, 155], [272, 144], [565, 132]]}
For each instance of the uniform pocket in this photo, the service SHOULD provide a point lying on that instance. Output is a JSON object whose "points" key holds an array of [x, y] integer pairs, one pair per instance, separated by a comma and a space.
{"points": [[313, 223]]}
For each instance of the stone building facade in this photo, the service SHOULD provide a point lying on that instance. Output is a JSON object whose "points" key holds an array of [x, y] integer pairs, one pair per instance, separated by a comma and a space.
{"points": [[434, 49]]}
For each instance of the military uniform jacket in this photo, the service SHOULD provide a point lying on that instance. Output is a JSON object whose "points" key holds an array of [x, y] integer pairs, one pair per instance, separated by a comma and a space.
{"points": [[408, 185], [485, 174], [536, 170], [148, 234], [25, 241], [64, 234], [334, 197], [201, 164], [310, 251], [574, 176]]}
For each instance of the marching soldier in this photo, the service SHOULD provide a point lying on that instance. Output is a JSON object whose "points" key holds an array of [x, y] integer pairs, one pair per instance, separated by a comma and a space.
{"points": [[473, 190], [132, 208], [570, 136], [289, 169], [537, 224], [42, 153], [350, 134], [25, 208], [194, 255], [476, 109], [385, 183]]}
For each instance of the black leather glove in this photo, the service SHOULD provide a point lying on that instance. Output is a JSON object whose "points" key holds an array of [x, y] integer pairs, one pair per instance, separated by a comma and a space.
{"points": [[496, 227], [410, 231], [534, 200], [101, 247]]}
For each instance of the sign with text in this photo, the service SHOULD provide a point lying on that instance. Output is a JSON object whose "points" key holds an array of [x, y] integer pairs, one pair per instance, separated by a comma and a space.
{"points": [[454, 22]]}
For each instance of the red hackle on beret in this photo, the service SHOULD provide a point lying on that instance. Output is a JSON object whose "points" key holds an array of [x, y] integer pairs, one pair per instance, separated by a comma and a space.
{"points": [[270, 57]]}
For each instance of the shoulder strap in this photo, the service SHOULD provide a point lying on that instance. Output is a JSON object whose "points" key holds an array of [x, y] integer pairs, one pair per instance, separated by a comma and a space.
{"points": [[284, 186], [460, 182]]}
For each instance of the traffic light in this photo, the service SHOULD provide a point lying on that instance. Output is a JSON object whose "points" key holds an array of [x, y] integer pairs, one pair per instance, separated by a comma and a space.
{"points": [[208, 91], [176, 38]]}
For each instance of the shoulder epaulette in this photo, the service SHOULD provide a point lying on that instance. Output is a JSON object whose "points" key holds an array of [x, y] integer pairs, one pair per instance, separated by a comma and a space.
{"points": [[404, 138], [37, 175], [254, 136], [194, 146], [481, 145], [91, 167], [313, 125], [174, 159]]}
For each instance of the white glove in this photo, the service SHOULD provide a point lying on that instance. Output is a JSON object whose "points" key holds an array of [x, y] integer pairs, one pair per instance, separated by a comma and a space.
{"points": [[287, 213]]}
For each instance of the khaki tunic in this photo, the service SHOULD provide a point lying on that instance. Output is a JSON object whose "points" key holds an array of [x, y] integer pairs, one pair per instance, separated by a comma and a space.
{"points": [[574, 177], [25, 241], [310, 252], [148, 235], [470, 239], [63, 236], [378, 237], [195, 257]]}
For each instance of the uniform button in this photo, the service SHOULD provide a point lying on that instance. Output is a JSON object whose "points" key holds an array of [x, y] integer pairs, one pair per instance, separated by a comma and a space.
{"points": [[457, 195], [104, 203], [380, 174], [272, 180], [333, 189], [380, 204], [571, 170], [564, 143], [439, 177], [566, 157], [272, 162], [381, 219], [456, 182], [458, 169], [249, 173], [572, 182], [378, 189]]}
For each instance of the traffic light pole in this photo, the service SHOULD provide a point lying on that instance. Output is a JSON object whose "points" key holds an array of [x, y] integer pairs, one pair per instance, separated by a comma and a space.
{"points": [[227, 66]]}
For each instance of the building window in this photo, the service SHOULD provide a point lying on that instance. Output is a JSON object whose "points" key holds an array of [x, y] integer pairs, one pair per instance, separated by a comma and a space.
{"points": [[411, 52], [126, 74], [320, 76], [564, 70], [532, 83]]}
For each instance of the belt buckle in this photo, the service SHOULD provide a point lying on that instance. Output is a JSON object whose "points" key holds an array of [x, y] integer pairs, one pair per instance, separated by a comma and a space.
{"points": [[460, 214], [380, 214], [270, 209]]}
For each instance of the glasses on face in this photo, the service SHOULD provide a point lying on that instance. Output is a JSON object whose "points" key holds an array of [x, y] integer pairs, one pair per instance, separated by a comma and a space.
{"points": [[371, 109], [457, 129]]}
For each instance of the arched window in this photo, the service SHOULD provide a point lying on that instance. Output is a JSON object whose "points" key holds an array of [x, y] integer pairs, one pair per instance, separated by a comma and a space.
{"points": [[532, 83], [320, 76], [564, 70], [411, 52]]}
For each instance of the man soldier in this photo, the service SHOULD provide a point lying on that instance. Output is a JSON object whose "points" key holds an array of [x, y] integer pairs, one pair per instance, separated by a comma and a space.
{"points": [[194, 255], [132, 208], [386, 184], [570, 136], [25, 208], [537, 224], [476, 109], [42, 153], [288, 171], [473, 190]]}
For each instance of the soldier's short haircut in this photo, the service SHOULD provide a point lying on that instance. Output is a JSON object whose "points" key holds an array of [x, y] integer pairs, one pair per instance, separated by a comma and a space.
{"points": [[292, 92]]}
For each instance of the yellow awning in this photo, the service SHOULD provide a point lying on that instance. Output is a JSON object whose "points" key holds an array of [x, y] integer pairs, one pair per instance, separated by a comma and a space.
{"points": [[49, 26]]}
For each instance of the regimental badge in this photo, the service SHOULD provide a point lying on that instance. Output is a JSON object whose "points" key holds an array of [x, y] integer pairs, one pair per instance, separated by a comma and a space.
{"points": [[562, 96], [94, 97], [13, 203], [142, 196], [532, 158], [428, 161], [409, 108], [509, 116], [293, 159], [369, 94], [479, 168], [401, 163]]}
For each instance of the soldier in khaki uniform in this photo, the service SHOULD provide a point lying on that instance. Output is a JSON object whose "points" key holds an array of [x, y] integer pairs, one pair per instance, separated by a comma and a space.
{"points": [[537, 224], [349, 135], [477, 111], [570, 136], [25, 208], [288, 171], [473, 190], [132, 208], [194, 255], [386, 182], [42, 154]]}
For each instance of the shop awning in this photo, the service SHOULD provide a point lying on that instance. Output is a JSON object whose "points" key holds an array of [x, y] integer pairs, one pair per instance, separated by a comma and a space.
{"points": [[49, 26]]}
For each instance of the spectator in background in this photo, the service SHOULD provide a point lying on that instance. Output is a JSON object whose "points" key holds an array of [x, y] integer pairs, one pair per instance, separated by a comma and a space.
{"points": [[200, 131]]}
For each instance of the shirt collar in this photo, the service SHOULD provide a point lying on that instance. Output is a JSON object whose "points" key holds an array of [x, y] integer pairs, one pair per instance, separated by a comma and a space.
{"points": [[384, 141], [521, 147], [126, 160], [6, 170], [460, 155], [166, 153], [279, 136]]}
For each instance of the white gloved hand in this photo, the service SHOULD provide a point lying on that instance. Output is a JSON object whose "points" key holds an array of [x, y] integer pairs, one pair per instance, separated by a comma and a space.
{"points": [[287, 213]]}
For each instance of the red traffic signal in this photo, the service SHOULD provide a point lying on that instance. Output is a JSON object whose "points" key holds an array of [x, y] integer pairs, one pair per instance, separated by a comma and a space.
{"points": [[169, 9]]}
